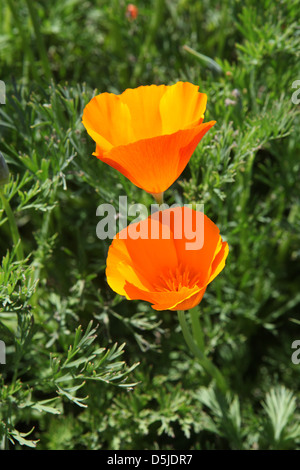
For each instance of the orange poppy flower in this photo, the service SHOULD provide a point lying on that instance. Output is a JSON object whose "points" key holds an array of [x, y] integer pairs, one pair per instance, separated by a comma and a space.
{"points": [[153, 261], [148, 133], [132, 11]]}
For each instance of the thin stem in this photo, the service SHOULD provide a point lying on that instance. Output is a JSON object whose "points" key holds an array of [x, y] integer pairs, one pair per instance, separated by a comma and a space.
{"points": [[196, 328], [159, 197], [209, 367], [13, 226]]}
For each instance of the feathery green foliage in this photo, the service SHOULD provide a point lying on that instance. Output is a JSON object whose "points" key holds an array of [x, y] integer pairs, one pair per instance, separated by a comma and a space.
{"points": [[86, 369]]}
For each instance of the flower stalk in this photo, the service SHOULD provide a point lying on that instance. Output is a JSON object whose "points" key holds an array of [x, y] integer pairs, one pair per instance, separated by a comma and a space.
{"points": [[159, 198], [193, 344]]}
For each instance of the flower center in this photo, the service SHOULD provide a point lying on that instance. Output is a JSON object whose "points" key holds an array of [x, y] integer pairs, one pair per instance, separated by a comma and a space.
{"points": [[176, 278]]}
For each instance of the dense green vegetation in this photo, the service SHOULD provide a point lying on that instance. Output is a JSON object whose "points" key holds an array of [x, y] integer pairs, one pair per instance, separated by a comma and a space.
{"points": [[86, 369]]}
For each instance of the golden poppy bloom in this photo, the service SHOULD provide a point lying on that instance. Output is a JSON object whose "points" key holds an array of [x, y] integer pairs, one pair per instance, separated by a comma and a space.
{"points": [[153, 261], [148, 133]]}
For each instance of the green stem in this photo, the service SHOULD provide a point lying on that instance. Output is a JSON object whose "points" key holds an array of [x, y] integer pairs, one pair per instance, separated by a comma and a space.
{"points": [[159, 198], [196, 328], [13, 226], [209, 367]]}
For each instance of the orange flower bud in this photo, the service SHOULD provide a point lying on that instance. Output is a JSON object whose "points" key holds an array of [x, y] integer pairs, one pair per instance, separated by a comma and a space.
{"points": [[132, 11]]}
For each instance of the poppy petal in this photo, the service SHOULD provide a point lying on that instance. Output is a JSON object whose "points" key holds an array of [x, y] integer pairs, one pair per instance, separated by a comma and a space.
{"points": [[154, 164], [106, 113], [181, 106], [143, 103], [163, 300], [219, 261], [207, 236], [120, 267], [158, 254]]}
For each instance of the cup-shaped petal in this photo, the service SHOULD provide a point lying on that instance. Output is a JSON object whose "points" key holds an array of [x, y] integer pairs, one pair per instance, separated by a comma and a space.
{"points": [[148, 133]]}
